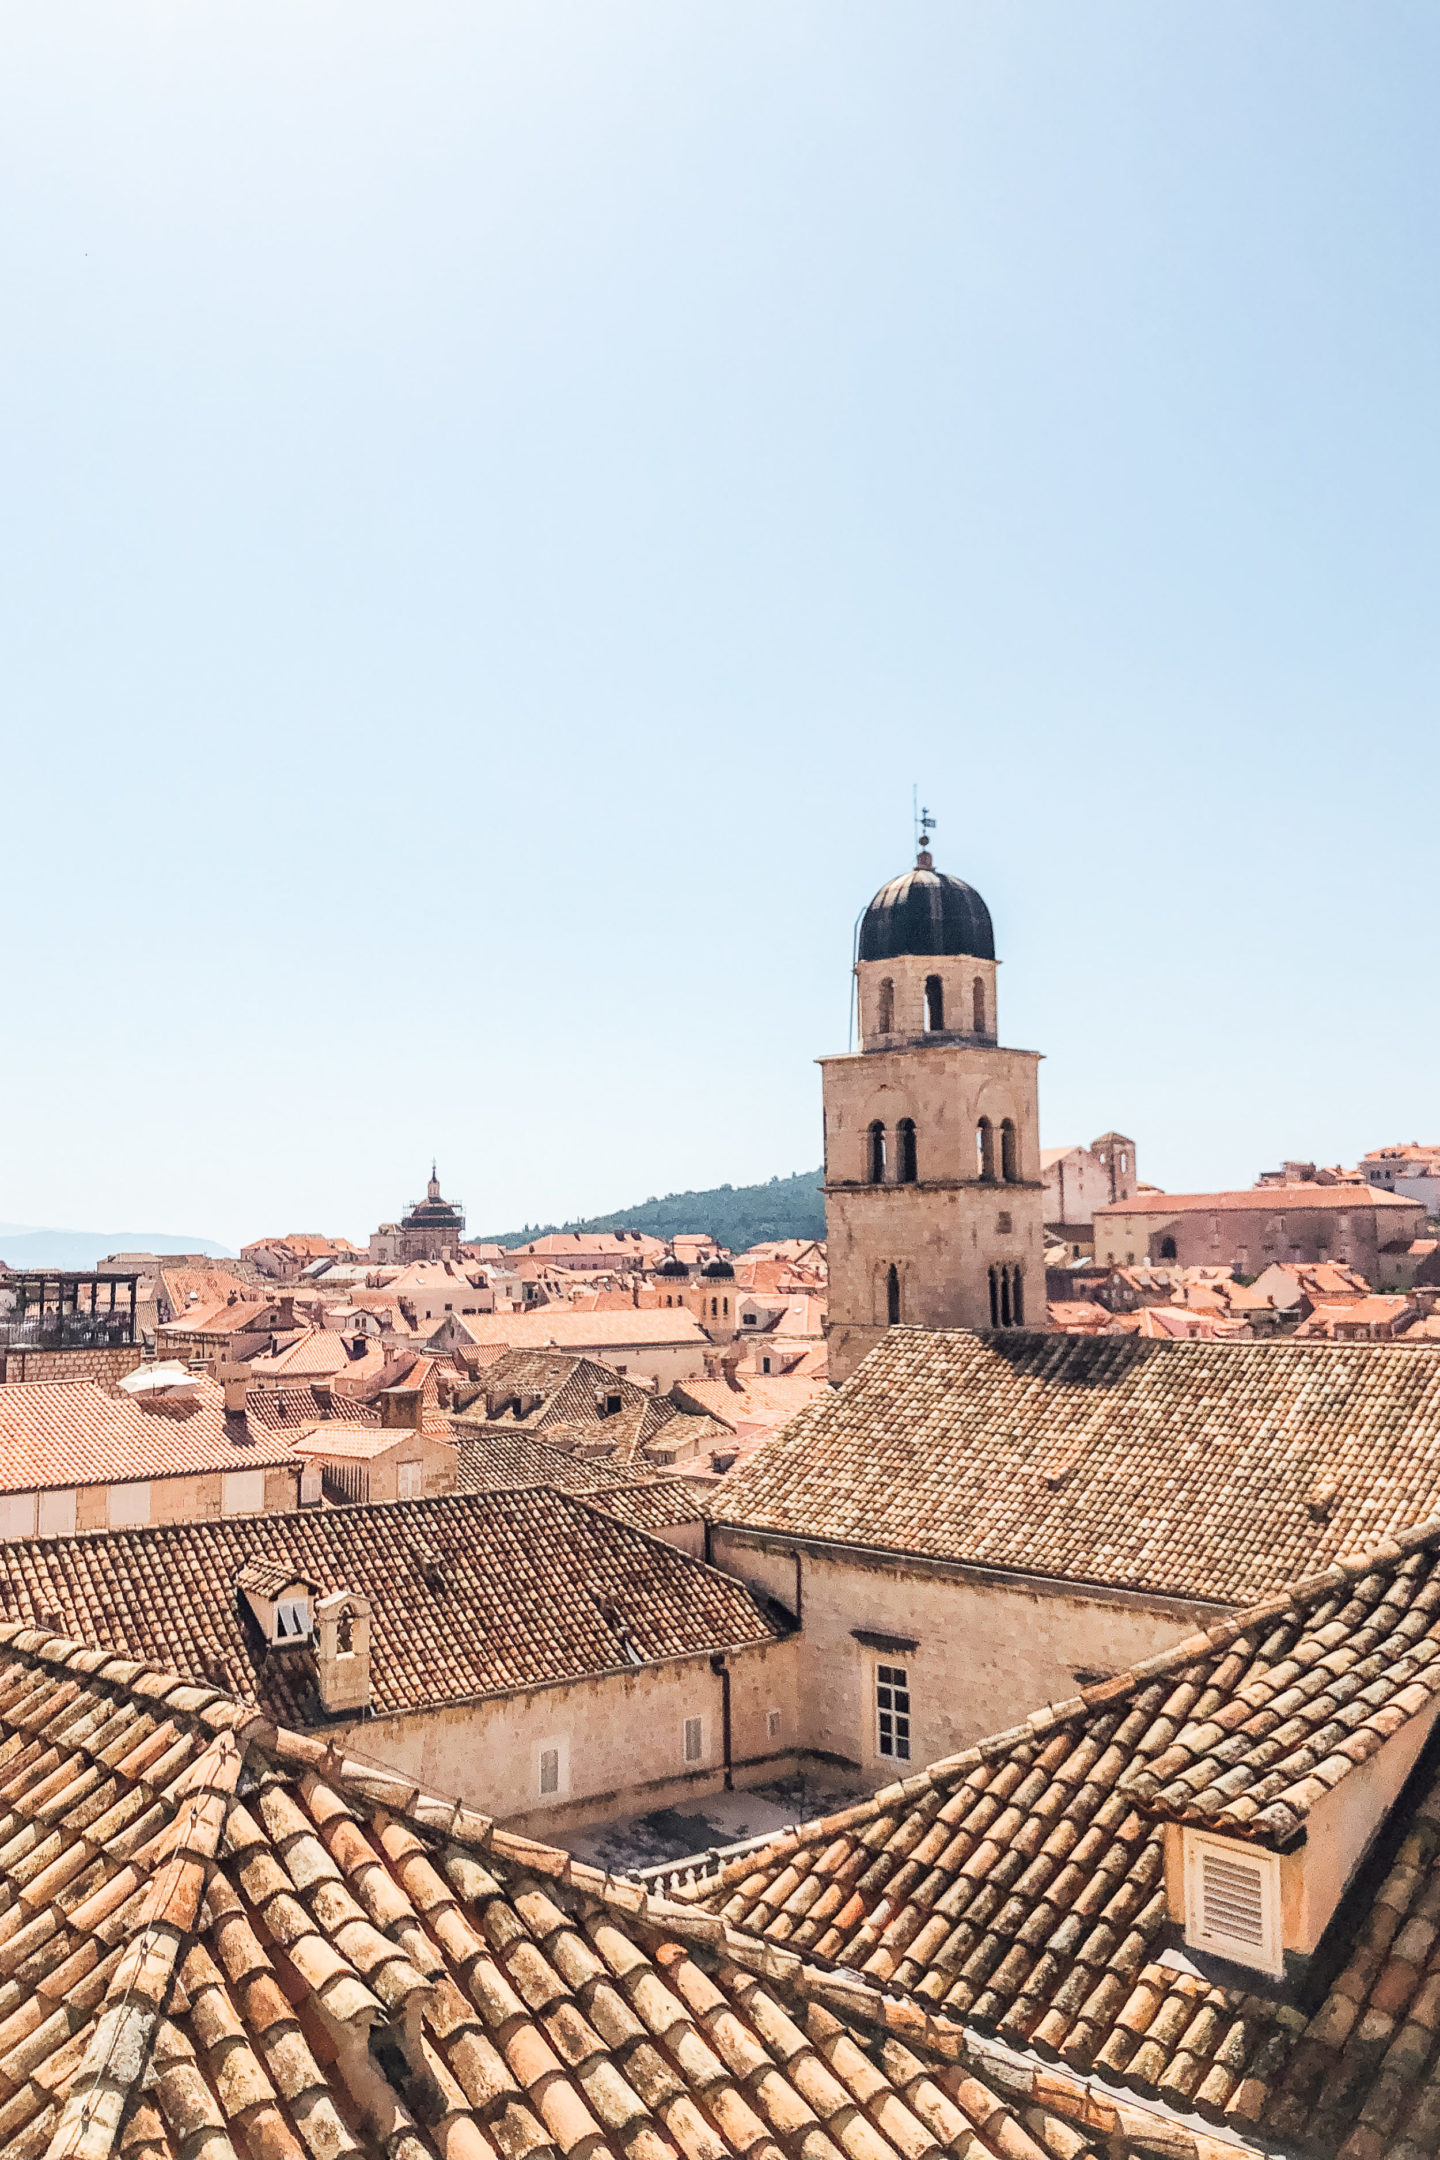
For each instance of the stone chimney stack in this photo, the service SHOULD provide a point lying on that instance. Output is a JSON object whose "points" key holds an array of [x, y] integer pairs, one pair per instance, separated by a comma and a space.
{"points": [[342, 1658], [235, 1379], [402, 1407]]}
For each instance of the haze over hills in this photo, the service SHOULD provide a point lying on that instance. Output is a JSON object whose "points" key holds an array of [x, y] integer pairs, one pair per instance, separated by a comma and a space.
{"points": [[734, 1215], [25, 1245]]}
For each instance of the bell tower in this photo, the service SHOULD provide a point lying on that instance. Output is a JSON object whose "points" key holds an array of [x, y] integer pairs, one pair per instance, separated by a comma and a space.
{"points": [[933, 1196]]}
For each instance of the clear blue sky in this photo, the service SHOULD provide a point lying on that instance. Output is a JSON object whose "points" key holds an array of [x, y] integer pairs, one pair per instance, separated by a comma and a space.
{"points": [[501, 502]]}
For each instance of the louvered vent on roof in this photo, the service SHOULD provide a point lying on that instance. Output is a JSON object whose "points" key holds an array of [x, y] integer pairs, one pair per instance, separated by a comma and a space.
{"points": [[1232, 1901]]}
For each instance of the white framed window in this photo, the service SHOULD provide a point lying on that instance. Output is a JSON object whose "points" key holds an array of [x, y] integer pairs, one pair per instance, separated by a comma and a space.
{"points": [[129, 1506], [694, 1739], [409, 1479], [1232, 1901], [17, 1515], [552, 1768], [292, 1619], [892, 1711], [242, 1492], [57, 1513]]}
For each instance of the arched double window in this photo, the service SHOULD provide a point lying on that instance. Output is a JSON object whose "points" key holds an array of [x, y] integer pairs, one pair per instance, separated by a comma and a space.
{"points": [[977, 998], [934, 1005], [1007, 1296], [985, 1149], [892, 1296], [885, 1008], [1009, 1152], [876, 1153], [905, 1170]]}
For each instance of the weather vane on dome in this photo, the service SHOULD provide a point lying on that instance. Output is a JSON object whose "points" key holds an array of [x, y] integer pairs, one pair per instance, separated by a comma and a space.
{"points": [[925, 823]]}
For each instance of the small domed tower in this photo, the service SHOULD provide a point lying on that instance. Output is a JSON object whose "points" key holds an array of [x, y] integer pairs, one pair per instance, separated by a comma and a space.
{"points": [[933, 1196], [717, 1300], [672, 1282]]}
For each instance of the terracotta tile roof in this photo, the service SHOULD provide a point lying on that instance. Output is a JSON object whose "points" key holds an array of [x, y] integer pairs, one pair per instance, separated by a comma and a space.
{"points": [[291, 1408], [58, 1433], [1261, 1199], [223, 1941], [1188, 1465], [1019, 1886], [222, 1317], [472, 1594], [1374, 1311], [347, 1439], [316, 1354], [491, 1460], [761, 1403], [565, 1329], [658, 1504]]}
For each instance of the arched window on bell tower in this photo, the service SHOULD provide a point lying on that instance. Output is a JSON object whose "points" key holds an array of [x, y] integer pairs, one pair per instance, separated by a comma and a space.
{"points": [[885, 1008], [905, 1171], [977, 1004], [994, 1297], [934, 1005], [985, 1150], [877, 1153], [1017, 1297], [1009, 1152], [892, 1296]]}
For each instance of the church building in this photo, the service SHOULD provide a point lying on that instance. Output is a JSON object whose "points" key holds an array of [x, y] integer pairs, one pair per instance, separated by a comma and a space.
{"points": [[431, 1229], [933, 1192]]}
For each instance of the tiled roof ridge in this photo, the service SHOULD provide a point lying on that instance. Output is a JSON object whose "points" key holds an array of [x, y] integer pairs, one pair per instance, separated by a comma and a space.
{"points": [[951, 1769], [203, 1800]]}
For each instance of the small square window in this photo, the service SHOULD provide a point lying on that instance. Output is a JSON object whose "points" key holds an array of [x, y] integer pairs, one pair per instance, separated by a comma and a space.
{"points": [[292, 1619], [694, 1739], [892, 1711]]}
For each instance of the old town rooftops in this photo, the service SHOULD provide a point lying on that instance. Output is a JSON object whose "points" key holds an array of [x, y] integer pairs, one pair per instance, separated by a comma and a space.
{"points": [[1021, 1884], [60, 1433], [1182, 1468], [516, 1600], [226, 1941], [1261, 1199]]}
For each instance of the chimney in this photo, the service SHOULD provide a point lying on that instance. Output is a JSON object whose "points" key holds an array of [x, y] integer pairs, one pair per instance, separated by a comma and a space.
{"points": [[342, 1660], [286, 1305], [402, 1407], [235, 1379]]}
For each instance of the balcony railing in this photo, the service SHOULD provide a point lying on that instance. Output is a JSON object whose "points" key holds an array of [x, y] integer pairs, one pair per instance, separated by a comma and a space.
{"points": [[76, 1331]]}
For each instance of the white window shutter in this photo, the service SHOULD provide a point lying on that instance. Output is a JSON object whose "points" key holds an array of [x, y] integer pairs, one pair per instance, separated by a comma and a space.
{"points": [[1232, 1901]]}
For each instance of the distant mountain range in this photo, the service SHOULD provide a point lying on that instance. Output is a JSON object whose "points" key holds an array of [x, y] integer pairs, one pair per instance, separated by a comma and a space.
{"points": [[734, 1215], [24, 1245]]}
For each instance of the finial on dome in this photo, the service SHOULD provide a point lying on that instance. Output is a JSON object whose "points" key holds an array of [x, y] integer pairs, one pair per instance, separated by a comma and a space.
{"points": [[432, 1190], [924, 860]]}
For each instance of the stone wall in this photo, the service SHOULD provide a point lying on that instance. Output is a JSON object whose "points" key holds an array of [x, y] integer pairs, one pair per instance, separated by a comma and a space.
{"points": [[105, 1366], [987, 1650], [621, 1738]]}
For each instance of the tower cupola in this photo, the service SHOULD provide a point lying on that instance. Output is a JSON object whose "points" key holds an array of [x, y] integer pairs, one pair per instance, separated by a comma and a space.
{"points": [[925, 962]]}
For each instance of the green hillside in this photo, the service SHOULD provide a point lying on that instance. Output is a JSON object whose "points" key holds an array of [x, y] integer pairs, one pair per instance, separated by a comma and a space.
{"points": [[735, 1215]]}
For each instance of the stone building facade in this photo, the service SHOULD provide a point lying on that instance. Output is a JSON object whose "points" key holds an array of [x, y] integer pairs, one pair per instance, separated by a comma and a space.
{"points": [[1347, 1224], [933, 1193]]}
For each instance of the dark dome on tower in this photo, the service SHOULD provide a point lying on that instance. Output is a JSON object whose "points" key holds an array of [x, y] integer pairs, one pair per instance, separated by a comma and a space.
{"points": [[924, 911]]}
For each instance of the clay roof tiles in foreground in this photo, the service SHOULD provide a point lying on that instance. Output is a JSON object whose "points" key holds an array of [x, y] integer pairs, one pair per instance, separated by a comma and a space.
{"points": [[471, 1594], [223, 1940], [59, 1433], [1184, 1468], [1019, 1885]]}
